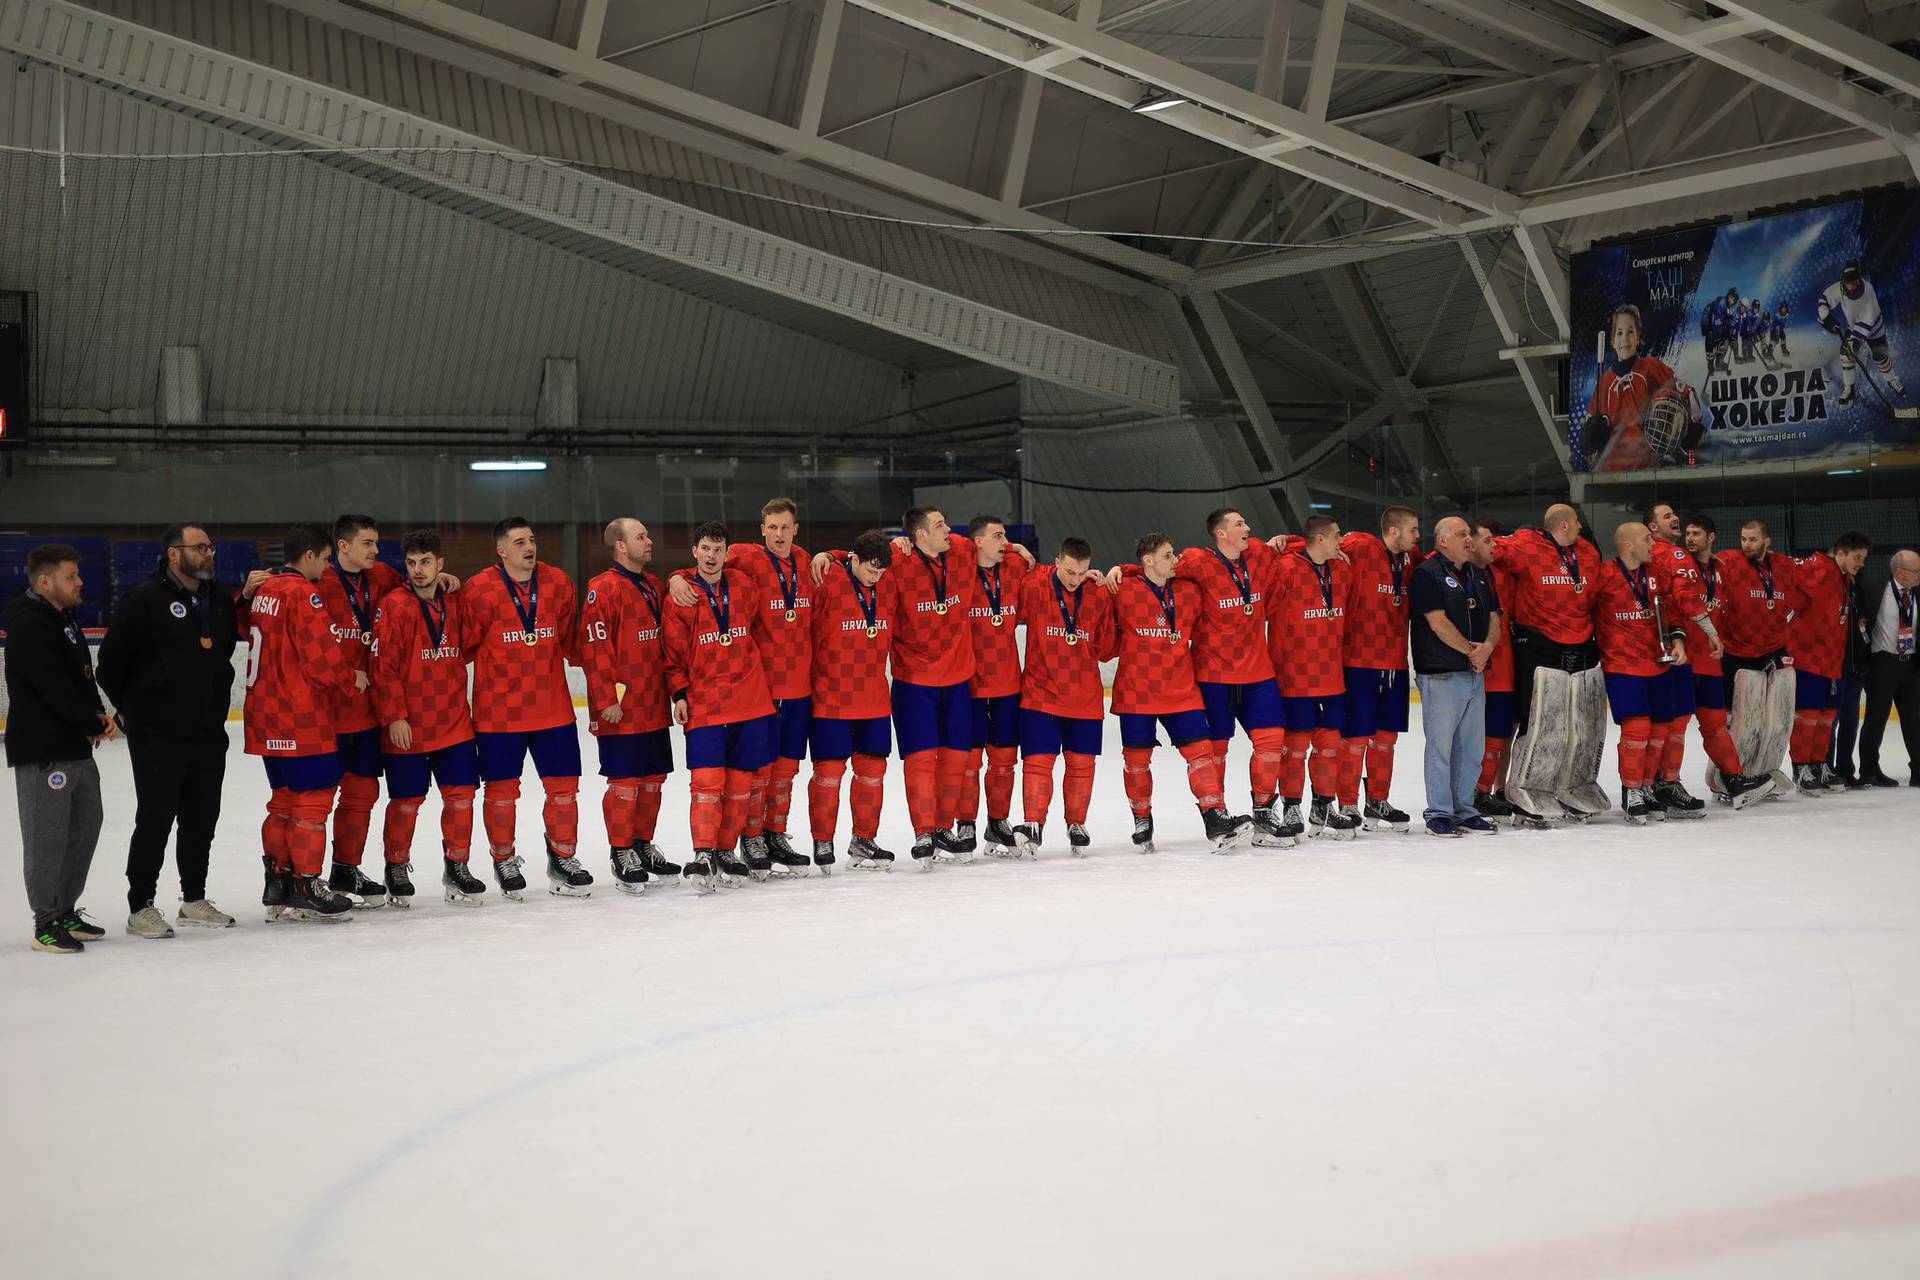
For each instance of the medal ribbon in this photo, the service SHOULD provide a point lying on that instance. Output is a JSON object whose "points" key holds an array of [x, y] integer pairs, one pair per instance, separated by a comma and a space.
{"points": [[1071, 620], [869, 604], [1240, 572], [789, 589], [1764, 568], [436, 624], [645, 589], [721, 603], [359, 597], [1903, 605], [938, 568], [1166, 600], [1570, 557], [530, 612], [1639, 585], [1324, 572], [991, 587]]}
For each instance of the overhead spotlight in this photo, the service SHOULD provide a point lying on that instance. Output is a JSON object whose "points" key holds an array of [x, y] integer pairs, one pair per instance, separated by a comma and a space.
{"points": [[507, 464], [1158, 101]]}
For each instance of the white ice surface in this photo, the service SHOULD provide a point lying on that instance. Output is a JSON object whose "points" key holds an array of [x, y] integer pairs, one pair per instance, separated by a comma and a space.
{"points": [[1690, 1050]]}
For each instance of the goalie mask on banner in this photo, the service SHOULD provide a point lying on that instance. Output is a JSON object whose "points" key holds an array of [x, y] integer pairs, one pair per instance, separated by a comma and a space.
{"points": [[1757, 341]]}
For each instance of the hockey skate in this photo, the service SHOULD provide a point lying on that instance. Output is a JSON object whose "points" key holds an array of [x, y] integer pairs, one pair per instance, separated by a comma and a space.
{"points": [[823, 856], [1676, 801], [311, 898], [1748, 789], [1317, 814], [1807, 780], [629, 876], [1000, 840], [864, 855], [1077, 839], [1492, 807], [509, 873], [463, 888], [1380, 815], [1639, 806], [730, 868], [566, 878], [399, 878], [753, 852], [1225, 832], [964, 839], [1846, 399], [656, 863], [949, 847], [360, 891], [788, 862], [1342, 823], [1026, 838], [702, 871], [1275, 832], [274, 896], [1143, 833], [923, 850]]}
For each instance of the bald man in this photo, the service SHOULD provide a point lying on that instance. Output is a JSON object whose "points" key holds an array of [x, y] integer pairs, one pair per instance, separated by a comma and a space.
{"points": [[1640, 640], [627, 706], [1893, 671]]}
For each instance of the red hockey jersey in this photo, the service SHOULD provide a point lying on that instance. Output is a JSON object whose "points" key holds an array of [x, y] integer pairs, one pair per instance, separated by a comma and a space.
{"points": [[622, 627], [1624, 399], [1499, 673], [1154, 631], [295, 670], [784, 587], [1553, 584], [420, 670], [1306, 625], [1623, 610], [1817, 638], [518, 687], [1379, 602], [1230, 635], [353, 601], [852, 638], [933, 645], [1758, 599], [1069, 634], [711, 656], [996, 651]]}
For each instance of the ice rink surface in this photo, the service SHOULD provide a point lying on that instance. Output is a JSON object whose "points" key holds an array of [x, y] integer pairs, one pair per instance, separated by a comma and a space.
{"points": [[1685, 1050]]}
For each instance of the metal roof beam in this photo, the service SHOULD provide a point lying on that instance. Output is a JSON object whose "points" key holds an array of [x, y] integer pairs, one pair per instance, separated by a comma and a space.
{"points": [[1830, 39], [1531, 27]]}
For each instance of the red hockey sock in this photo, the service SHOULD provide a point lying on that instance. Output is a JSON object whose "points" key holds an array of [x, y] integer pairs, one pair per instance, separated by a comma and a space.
{"points": [[646, 808], [1674, 752], [780, 776], [1036, 786], [1292, 776], [736, 803], [1656, 752], [561, 814], [823, 797], [456, 821], [756, 816], [1633, 751], [352, 816], [1380, 764], [1203, 775], [922, 772], [1827, 718], [616, 810], [1718, 741], [1353, 759], [1263, 775], [1325, 765], [307, 830], [966, 804], [396, 828], [1000, 762], [707, 799], [868, 791], [273, 832], [1079, 786], [1807, 746], [951, 774], [1137, 774], [1490, 764], [496, 811]]}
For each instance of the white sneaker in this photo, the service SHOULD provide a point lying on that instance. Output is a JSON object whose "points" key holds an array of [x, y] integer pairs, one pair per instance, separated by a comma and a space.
{"points": [[200, 913], [147, 922]]}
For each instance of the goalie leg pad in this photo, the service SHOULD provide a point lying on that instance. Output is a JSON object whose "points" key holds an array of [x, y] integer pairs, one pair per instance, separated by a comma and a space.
{"points": [[1579, 789], [1539, 751], [1750, 713]]}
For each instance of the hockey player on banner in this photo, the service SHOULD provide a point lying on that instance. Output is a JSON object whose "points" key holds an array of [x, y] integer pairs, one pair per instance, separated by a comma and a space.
{"points": [[1642, 413], [1850, 310]]}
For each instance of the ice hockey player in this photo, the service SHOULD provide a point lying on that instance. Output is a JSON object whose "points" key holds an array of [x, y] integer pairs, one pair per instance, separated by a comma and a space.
{"points": [[1817, 641], [1154, 684], [994, 689], [1374, 657], [1850, 310], [1490, 798], [1716, 329], [853, 617], [1306, 632], [1726, 779], [420, 697], [622, 629], [1762, 588], [1070, 632], [1639, 642]]}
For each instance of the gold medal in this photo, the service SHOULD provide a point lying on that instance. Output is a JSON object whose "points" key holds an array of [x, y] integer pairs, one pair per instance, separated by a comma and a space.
{"points": [[1174, 638], [1247, 608], [1072, 638], [940, 607], [1579, 588], [998, 620], [1769, 604], [792, 614], [533, 638], [873, 633], [726, 639], [206, 642], [366, 637]]}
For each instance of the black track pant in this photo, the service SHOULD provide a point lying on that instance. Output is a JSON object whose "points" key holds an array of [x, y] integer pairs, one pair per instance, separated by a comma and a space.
{"points": [[1892, 682], [176, 782]]}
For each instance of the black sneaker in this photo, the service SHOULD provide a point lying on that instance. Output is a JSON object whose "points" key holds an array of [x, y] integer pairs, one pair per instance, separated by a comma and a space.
{"points": [[55, 940], [1875, 778], [80, 929]]}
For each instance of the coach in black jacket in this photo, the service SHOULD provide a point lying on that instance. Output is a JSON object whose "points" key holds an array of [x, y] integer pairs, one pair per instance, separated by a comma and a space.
{"points": [[167, 663]]}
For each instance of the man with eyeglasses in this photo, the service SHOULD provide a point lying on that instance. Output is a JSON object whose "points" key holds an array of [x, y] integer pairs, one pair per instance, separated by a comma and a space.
{"points": [[167, 664]]}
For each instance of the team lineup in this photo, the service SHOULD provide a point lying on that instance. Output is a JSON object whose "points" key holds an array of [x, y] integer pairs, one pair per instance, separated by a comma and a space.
{"points": [[766, 657]]}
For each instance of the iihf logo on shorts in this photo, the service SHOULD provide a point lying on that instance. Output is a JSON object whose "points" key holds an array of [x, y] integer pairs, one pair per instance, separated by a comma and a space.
{"points": [[56, 781], [177, 609]]}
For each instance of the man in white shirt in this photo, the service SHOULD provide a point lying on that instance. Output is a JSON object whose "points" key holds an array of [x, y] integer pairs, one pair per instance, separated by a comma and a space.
{"points": [[1893, 674]]}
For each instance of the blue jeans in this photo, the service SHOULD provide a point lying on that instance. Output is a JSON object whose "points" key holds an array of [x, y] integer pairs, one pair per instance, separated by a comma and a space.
{"points": [[1453, 719]]}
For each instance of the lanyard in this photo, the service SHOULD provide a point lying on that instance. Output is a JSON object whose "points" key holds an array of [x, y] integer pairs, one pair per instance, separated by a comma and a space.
{"points": [[359, 600], [721, 604], [1764, 568], [204, 616], [1242, 575], [1710, 578], [1324, 572], [789, 588], [1472, 577], [530, 613], [990, 587], [645, 589], [436, 624], [869, 603], [1903, 606], [1072, 620], [1570, 557], [1167, 601], [1397, 565], [938, 568], [1638, 585]]}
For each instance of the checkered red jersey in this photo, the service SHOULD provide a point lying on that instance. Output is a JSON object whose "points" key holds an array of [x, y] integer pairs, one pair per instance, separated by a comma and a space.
{"points": [[352, 600], [1629, 641], [518, 687], [1230, 635], [1713, 596], [996, 653], [1499, 671], [1306, 625], [294, 669], [1754, 620], [786, 646], [621, 630], [1155, 677], [1817, 638], [850, 666], [1379, 603], [1624, 398], [1553, 585], [722, 683], [420, 677], [1063, 679], [930, 647]]}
